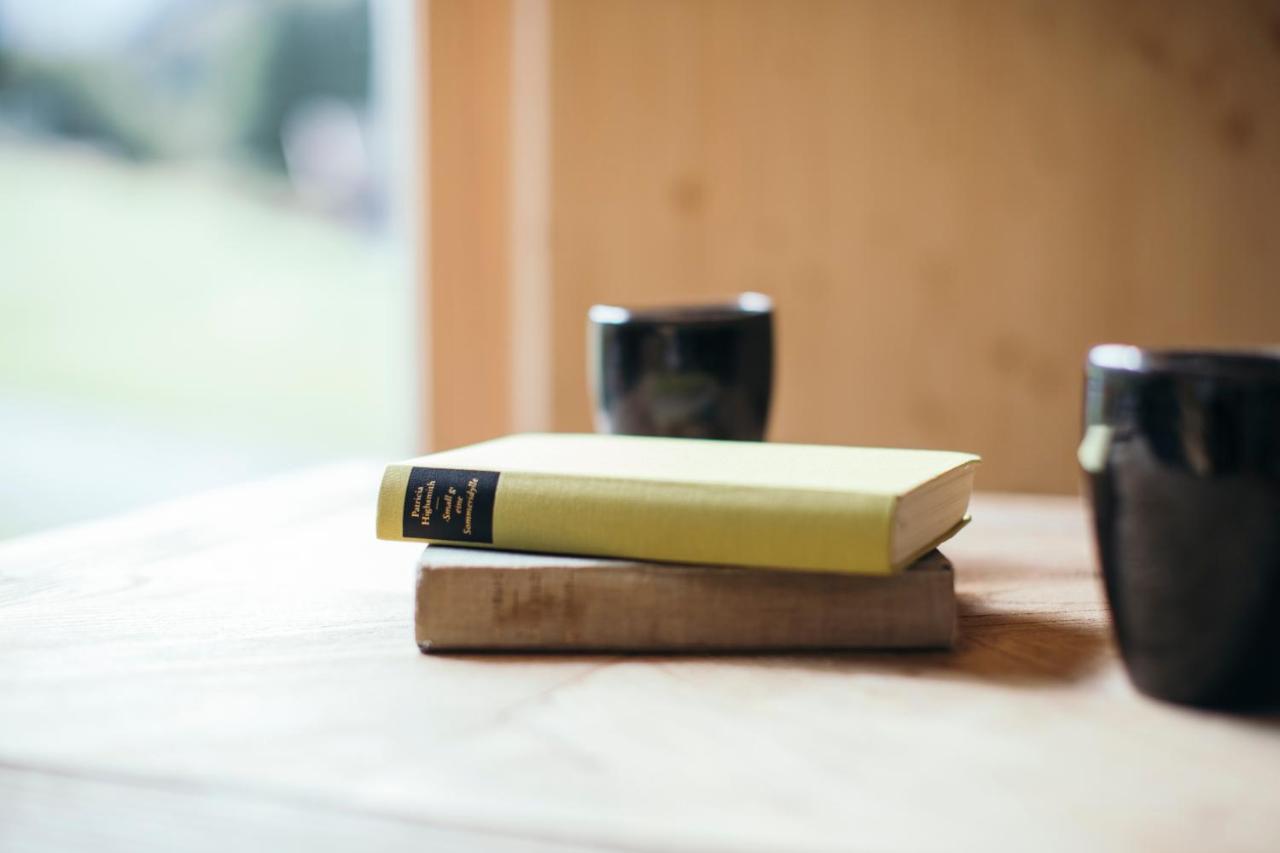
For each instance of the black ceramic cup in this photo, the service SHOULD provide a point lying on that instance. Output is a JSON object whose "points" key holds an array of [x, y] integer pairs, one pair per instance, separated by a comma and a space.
{"points": [[697, 371], [1182, 460]]}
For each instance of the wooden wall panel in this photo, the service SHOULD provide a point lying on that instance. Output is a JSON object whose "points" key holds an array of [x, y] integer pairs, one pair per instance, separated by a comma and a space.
{"points": [[949, 201], [467, 305]]}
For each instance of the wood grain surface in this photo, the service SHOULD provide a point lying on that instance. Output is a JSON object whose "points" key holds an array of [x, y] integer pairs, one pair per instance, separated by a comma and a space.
{"points": [[475, 599], [465, 67], [949, 202], [238, 671]]}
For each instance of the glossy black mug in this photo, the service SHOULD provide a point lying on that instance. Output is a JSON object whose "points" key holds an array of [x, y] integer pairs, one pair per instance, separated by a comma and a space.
{"points": [[696, 371], [1181, 453]]}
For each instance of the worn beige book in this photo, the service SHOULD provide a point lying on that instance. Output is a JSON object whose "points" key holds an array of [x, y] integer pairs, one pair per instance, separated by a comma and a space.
{"points": [[485, 600]]}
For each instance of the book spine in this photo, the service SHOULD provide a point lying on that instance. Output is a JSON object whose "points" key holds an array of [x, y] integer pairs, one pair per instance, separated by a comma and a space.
{"points": [[775, 527], [647, 607]]}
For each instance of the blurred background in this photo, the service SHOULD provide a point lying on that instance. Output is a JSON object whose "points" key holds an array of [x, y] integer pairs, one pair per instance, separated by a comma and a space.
{"points": [[201, 275], [242, 237]]}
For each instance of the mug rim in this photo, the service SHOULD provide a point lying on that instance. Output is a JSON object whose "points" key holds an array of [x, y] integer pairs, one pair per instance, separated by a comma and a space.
{"points": [[1210, 362], [744, 305]]}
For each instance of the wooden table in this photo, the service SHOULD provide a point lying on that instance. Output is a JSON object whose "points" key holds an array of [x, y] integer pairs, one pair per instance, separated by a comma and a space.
{"points": [[237, 671]]}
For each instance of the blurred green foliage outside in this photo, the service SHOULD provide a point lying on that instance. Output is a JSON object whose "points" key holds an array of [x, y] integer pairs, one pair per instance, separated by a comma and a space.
{"points": [[174, 312]]}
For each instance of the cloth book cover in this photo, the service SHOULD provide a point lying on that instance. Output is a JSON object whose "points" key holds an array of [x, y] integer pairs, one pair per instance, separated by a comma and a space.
{"points": [[753, 504], [470, 599]]}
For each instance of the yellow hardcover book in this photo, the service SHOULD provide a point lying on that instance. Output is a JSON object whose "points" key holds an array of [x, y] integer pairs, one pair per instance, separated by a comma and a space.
{"points": [[788, 506]]}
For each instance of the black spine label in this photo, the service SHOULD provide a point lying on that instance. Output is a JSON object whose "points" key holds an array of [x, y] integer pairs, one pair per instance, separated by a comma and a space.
{"points": [[451, 504]]}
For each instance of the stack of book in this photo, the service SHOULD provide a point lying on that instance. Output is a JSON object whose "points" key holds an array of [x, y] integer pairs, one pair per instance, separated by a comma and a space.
{"points": [[593, 542]]}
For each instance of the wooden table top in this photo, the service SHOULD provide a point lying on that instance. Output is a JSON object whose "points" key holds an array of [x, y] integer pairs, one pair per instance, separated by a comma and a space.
{"points": [[237, 671]]}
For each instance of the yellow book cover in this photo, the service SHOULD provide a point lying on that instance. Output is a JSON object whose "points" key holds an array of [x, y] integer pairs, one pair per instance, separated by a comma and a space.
{"points": [[789, 506]]}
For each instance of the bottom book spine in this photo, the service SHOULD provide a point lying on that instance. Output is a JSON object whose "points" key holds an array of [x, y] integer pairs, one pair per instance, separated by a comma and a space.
{"points": [[634, 607]]}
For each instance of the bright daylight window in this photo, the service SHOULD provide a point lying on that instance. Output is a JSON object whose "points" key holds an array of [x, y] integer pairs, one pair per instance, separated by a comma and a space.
{"points": [[201, 273]]}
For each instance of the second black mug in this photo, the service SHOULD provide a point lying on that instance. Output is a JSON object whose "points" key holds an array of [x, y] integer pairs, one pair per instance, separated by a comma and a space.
{"points": [[698, 371], [1182, 455]]}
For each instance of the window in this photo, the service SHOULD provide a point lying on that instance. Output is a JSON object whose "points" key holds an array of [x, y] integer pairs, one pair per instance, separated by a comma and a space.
{"points": [[203, 275]]}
